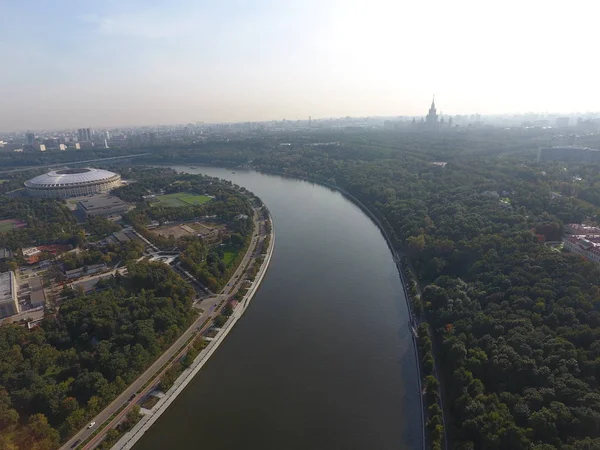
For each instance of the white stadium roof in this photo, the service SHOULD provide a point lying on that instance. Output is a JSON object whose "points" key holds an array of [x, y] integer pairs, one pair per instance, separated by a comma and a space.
{"points": [[70, 177]]}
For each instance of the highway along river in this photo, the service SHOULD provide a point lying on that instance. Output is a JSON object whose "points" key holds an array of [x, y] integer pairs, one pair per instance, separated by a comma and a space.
{"points": [[323, 358]]}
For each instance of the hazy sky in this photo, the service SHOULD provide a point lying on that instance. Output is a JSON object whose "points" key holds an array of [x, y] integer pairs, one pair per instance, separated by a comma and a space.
{"points": [[73, 63]]}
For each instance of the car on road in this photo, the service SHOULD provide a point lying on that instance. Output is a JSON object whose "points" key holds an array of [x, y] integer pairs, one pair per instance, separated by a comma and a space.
{"points": [[132, 397], [91, 425], [76, 443]]}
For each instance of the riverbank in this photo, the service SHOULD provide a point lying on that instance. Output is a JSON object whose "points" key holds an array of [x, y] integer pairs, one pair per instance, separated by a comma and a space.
{"points": [[132, 436], [414, 320], [397, 256]]}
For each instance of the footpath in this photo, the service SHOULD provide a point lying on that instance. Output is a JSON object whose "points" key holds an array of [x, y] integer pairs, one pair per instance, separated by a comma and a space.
{"points": [[132, 436]]}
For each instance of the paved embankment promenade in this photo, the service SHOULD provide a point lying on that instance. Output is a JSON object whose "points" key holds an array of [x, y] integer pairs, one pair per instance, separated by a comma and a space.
{"points": [[131, 437]]}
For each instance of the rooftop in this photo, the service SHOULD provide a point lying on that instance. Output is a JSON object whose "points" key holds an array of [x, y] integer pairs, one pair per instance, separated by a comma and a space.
{"points": [[577, 228], [67, 177], [6, 287], [588, 243], [101, 202]]}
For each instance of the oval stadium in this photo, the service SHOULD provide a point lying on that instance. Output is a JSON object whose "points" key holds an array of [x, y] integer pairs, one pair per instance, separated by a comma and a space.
{"points": [[72, 183]]}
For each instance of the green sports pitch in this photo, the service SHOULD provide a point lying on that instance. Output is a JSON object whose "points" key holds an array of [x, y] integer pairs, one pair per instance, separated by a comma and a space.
{"points": [[180, 199], [11, 224]]}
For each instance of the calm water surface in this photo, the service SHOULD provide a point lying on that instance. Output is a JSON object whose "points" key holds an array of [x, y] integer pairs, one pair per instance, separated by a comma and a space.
{"points": [[323, 357]]}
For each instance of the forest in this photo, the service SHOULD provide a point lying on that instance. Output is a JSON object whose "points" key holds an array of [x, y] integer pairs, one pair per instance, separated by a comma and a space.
{"points": [[227, 203], [55, 377], [206, 262], [515, 323], [48, 221]]}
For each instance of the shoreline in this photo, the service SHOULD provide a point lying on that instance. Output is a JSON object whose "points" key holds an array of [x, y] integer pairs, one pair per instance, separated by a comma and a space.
{"points": [[396, 255], [129, 439], [397, 261]]}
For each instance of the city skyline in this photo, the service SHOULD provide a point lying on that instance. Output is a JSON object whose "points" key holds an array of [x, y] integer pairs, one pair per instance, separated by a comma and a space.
{"points": [[132, 63], [545, 118]]}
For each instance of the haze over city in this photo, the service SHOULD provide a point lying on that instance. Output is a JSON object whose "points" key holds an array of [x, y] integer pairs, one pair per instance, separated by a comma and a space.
{"points": [[133, 62], [313, 224]]}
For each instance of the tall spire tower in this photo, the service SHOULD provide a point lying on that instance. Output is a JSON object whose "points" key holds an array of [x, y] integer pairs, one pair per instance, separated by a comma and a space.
{"points": [[431, 121]]}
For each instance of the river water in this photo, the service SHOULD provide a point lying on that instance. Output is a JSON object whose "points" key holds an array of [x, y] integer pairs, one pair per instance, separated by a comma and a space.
{"points": [[323, 358]]}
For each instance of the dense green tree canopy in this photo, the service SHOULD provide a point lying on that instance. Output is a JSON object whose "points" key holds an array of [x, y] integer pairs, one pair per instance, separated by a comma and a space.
{"points": [[62, 373], [517, 323]]}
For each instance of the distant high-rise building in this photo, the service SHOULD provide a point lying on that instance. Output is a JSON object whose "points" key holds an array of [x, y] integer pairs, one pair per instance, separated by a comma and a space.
{"points": [[51, 143], [431, 120], [30, 138], [11, 147], [84, 134], [562, 122]]}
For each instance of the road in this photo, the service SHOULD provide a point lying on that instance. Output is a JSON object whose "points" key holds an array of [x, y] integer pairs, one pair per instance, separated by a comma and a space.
{"points": [[71, 163], [177, 348]]}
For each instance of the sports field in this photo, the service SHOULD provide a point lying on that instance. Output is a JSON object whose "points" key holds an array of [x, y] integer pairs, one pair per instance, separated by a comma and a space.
{"points": [[181, 199], [11, 224]]}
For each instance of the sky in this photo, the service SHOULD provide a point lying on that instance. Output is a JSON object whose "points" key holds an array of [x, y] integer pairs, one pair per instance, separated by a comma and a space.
{"points": [[101, 63]]}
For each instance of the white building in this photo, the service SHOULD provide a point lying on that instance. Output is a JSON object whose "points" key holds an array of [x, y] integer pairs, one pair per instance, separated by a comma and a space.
{"points": [[9, 306], [583, 245], [72, 183]]}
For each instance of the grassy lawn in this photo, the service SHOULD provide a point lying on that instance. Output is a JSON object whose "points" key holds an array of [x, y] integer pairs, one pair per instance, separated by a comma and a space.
{"points": [[229, 256], [5, 227], [9, 225], [181, 199], [3, 181]]}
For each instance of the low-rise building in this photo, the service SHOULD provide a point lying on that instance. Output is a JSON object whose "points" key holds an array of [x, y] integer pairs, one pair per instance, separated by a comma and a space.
{"points": [[581, 230], [31, 254], [102, 206], [9, 304], [37, 296], [586, 246], [121, 237]]}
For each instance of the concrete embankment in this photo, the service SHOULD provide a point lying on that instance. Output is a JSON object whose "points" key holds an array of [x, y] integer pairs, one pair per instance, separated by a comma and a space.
{"points": [[131, 437], [413, 321]]}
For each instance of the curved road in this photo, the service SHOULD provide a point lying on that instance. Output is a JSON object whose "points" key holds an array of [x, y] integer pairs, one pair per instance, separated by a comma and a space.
{"points": [[175, 349]]}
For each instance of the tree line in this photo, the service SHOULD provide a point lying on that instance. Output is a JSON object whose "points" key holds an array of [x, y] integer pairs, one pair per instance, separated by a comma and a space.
{"points": [[516, 322], [57, 376]]}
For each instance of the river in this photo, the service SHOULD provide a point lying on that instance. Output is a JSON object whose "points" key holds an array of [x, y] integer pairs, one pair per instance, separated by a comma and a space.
{"points": [[323, 357]]}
